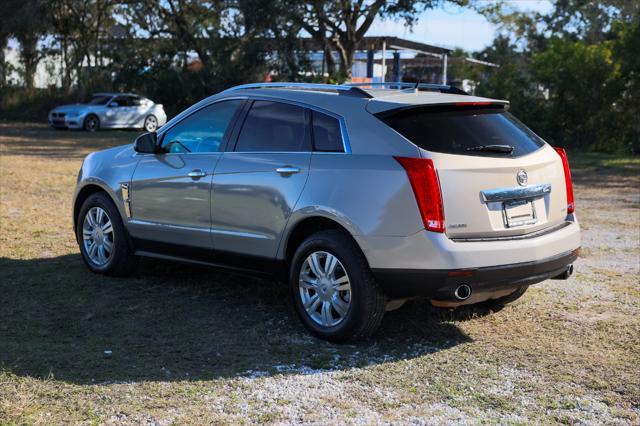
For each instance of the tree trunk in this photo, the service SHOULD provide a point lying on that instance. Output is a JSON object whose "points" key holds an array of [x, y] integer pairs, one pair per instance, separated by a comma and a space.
{"points": [[347, 50], [3, 63], [29, 58], [330, 62]]}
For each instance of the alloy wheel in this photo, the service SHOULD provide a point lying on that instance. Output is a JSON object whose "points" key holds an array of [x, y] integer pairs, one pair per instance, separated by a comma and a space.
{"points": [[97, 235], [91, 124], [325, 289], [150, 124]]}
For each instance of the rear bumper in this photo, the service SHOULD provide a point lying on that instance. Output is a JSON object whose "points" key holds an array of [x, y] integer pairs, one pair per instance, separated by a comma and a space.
{"points": [[440, 284], [432, 250]]}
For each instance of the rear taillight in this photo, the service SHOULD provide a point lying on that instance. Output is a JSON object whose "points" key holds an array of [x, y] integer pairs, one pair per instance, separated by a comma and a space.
{"points": [[567, 180], [426, 188]]}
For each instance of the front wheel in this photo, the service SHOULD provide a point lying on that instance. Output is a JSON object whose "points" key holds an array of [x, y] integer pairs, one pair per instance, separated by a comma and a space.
{"points": [[151, 123], [91, 123], [102, 238], [334, 292]]}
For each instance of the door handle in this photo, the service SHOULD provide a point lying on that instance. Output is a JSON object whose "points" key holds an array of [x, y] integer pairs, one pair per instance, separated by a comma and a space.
{"points": [[287, 170], [196, 174]]}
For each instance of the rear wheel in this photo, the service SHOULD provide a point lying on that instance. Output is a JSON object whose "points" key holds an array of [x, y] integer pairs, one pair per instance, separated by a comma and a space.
{"points": [[333, 289], [102, 238], [151, 123], [91, 123]]}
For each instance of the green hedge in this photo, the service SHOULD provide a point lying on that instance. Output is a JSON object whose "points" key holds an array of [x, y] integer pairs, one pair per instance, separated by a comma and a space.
{"points": [[18, 104]]}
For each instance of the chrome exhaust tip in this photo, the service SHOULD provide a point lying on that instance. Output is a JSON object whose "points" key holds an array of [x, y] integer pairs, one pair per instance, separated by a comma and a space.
{"points": [[463, 292], [566, 274]]}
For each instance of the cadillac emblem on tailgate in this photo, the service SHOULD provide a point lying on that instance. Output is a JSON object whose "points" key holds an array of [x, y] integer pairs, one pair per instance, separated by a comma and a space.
{"points": [[521, 177]]}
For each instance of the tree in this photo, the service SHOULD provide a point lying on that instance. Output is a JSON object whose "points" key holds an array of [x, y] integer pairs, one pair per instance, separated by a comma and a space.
{"points": [[26, 20], [341, 25], [81, 28], [572, 74]]}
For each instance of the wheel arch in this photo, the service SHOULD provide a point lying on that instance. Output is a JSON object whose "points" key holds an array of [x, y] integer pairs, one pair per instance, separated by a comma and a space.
{"points": [[307, 226], [92, 114], [85, 192]]}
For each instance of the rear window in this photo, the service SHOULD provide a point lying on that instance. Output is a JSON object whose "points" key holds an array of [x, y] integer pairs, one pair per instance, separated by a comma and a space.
{"points": [[459, 130]]}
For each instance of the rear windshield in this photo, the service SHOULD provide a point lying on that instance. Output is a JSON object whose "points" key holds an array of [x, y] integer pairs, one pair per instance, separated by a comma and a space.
{"points": [[458, 130]]}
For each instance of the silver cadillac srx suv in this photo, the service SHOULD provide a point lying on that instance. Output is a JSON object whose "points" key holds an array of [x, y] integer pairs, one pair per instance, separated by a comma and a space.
{"points": [[359, 197]]}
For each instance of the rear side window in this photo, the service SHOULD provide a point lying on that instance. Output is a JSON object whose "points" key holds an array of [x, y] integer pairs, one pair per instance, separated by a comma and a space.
{"points": [[123, 100], [327, 136], [275, 127], [456, 130]]}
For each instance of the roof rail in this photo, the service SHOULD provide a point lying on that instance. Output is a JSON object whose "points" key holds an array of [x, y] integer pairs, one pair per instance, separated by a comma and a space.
{"points": [[443, 88], [341, 89]]}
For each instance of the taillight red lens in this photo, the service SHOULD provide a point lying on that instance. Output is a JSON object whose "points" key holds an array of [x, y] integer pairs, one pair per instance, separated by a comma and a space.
{"points": [[567, 179], [426, 188]]}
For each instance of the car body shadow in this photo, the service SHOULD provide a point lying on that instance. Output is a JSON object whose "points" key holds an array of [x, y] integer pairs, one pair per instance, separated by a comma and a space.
{"points": [[174, 321]]}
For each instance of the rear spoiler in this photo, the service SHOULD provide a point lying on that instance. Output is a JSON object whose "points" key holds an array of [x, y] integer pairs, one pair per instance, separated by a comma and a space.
{"points": [[447, 107]]}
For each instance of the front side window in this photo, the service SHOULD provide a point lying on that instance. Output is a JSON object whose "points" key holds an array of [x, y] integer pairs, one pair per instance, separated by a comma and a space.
{"points": [[274, 127], [327, 136], [202, 131]]}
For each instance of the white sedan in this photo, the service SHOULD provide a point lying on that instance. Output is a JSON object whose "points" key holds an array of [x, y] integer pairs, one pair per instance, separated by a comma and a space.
{"points": [[110, 111]]}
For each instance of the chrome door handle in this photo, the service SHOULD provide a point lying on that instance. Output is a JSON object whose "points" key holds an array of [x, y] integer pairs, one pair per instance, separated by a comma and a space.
{"points": [[287, 170], [196, 174]]}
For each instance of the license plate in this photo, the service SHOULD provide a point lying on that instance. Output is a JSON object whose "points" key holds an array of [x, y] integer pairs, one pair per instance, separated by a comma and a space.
{"points": [[518, 213]]}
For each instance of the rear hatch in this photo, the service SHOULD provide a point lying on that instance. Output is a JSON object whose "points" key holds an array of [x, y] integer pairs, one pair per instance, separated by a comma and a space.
{"points": [[497, 178]]}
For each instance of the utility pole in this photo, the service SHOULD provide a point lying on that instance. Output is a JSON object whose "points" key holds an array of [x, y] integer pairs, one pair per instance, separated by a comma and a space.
{"points": [[444, 68]]}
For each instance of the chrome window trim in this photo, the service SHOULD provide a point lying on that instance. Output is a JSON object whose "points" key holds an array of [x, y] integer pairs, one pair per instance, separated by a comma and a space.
{"points": [[346, 143]]}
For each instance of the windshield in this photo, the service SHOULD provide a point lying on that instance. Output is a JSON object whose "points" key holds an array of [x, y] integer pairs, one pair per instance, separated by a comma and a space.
{"points": [[456, 130], [99, 100]]}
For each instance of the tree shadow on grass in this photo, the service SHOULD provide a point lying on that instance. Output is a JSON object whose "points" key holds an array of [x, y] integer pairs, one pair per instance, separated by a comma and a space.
{"points": [[179, 322], [36, 140]]}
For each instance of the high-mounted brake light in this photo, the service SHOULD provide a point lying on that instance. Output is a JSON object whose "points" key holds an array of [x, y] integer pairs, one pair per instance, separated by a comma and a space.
{"points": [[426, 188], [481, 103], [567, 180]]}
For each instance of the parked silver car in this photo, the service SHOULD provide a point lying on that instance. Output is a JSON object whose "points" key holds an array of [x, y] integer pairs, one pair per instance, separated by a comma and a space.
{"points": [[359, 198], [110, 111]]}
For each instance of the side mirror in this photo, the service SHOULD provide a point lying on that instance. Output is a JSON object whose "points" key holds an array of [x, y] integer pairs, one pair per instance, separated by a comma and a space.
{"points": [[113, 104], [146, 143]]}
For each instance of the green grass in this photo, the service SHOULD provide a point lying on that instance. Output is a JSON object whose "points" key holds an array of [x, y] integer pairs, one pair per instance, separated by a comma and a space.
{"points": [[604, 162]]}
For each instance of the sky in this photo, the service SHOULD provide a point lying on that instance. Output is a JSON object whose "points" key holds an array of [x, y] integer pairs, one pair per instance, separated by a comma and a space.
{"points": [[451, 26]]}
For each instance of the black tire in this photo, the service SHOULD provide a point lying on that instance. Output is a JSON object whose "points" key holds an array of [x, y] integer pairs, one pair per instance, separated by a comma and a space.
{"points": [[367, 301], [501, 302], [122, 261], [91, 123]]}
